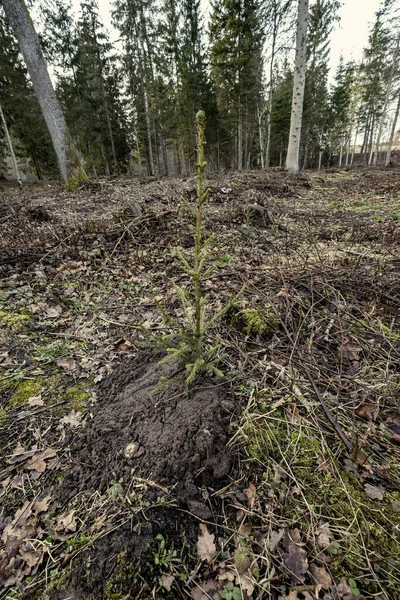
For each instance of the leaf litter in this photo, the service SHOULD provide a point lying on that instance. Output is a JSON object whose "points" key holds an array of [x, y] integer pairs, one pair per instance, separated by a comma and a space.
{"points": [[93, 335]]}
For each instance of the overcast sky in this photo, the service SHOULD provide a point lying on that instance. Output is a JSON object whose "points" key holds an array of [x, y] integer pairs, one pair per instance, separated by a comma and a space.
{"points": [[349, 37]]}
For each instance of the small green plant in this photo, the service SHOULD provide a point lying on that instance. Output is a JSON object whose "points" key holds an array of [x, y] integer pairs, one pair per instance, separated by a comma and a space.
{"points": [[231, 592], [188, 341], [116, 490], [354, 588]]}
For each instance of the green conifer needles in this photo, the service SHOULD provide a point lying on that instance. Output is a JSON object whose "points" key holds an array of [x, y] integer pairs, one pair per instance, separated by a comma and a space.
{"points": [[188, 340]]}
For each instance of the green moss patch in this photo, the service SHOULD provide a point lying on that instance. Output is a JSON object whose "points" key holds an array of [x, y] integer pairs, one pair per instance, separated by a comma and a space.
{"points": [[307, 484], [77, 396], [14, 321], [253, 321]]}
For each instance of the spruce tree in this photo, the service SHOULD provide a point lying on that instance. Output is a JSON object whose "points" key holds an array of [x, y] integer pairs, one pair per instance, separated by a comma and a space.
{"points": [[236, 65]]}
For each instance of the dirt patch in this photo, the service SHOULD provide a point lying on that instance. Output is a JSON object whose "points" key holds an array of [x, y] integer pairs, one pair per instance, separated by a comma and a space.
{"points": [[175, 439], [122, 565]]}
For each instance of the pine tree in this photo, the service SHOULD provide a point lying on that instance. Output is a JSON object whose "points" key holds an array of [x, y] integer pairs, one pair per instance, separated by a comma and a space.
{"points": [[280, 115], [236, 65], [341, 108], [277, 16], [374, 71], [323, 15]]}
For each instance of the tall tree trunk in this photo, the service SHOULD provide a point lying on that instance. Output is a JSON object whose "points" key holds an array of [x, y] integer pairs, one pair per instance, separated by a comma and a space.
{"points": [[148, 129], [260, 112], [364, 145], [355, 144], [11, 148], [305, 157], [392, 132], [292, 160], [155, 103], [387, 99], [110, 133], [271, 78], [341, 153], [348, 144], [69, 162], [370, 147], [240, 136]]}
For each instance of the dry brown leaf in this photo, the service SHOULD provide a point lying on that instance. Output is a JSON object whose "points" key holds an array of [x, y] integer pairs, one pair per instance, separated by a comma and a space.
{"points": [[204, 590], [53, 312], [296, 558], [4, 486], [69, 364], [245, 530], [274, 539], [206, 548], [226, 574], [41, 505], [20, 454], [167, 581], [368, 411], [66, 522], [30, 557], [250, 493], [37, 462], [73, 419], [344, 591], [98, 524], [325, 536], [374, 492], [321, 576], [295, 595], [323, 465], [246, 583], [36, 400]]}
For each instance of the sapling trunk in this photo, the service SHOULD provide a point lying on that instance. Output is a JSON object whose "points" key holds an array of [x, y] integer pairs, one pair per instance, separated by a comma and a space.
{"points": [[201, 167], [187, 340]]}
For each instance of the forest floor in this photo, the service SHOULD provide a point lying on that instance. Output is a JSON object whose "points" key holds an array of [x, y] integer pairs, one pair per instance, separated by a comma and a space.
{"points": [[280, 480]]}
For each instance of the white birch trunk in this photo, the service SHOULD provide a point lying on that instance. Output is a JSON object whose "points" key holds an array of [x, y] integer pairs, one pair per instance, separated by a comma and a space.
{"points": [[292, 160], [11, 149], [69, 163], [392, 133], [355, 144]]}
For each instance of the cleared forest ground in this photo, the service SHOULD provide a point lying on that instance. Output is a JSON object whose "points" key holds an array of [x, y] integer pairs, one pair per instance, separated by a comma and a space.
{"points": [[279, 481]]}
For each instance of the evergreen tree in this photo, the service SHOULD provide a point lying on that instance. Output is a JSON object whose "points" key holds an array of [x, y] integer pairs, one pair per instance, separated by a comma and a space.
{"points": [[374, 74], [341, 105], [236, 65], [280, 115], [323, 14]]}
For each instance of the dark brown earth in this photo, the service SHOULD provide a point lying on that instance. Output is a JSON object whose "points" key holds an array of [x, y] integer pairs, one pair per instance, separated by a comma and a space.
{"points": [[173, 438]]}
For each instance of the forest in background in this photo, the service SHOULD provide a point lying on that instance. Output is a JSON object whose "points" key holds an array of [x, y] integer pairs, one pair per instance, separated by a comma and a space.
{"points": [[130, 106]]}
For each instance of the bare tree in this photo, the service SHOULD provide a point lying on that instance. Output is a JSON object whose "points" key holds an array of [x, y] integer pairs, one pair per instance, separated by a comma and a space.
{"points": [[292, 160], [387, 98], [69, 162], [278, 13], [10, 147], [393, 131]]}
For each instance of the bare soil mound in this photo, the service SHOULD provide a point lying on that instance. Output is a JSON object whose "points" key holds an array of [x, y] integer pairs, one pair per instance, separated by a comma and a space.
{"points": [[172, 438]]}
